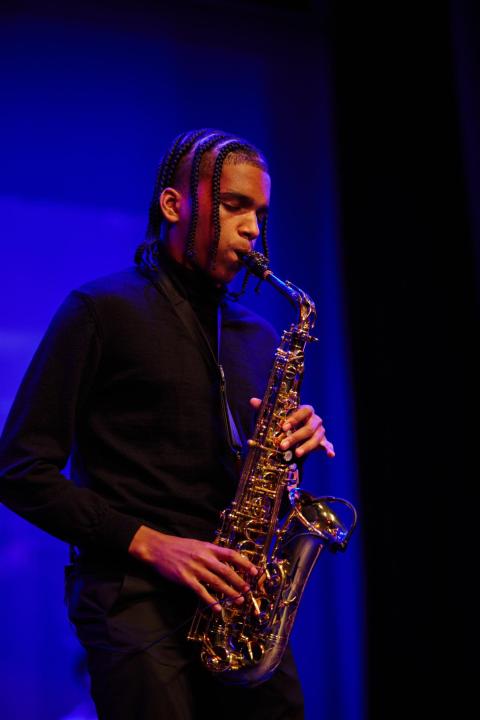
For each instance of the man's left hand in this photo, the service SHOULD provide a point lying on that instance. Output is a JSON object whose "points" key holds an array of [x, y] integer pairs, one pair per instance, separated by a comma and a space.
{"points": [[303, 430]]}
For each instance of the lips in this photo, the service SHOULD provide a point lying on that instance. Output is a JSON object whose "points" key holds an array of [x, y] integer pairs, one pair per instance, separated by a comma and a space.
{"points": [[241, 252]]}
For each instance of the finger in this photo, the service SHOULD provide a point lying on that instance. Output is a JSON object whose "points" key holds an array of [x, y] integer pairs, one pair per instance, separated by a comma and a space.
{"points": [[227, 573], [205, 597], [302, 434], [313, 426], [315, 444], [216, 582], [298, 416], [234, 557], [328, 447], [255, 402]]}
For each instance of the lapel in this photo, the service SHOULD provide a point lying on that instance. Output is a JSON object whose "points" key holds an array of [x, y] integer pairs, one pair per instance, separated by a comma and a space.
{"points": [[187, 315]]}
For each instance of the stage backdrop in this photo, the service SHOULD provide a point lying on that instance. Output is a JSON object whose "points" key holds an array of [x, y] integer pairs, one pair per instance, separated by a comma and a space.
{"points": [[90, 100]]}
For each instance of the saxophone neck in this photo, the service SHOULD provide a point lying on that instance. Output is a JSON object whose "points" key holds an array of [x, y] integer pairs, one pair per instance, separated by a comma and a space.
{"points": [[257, 264], [303, 303]]}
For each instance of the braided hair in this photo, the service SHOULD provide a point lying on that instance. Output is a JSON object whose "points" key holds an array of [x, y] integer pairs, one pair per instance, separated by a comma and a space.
{"points": [[189, 153]]}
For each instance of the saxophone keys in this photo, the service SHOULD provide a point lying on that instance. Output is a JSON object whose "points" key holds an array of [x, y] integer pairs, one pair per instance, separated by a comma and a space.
{"points": [[261, 607], [289, 601], [247, 651], [216, 658], [255, 650], [255, 443]]}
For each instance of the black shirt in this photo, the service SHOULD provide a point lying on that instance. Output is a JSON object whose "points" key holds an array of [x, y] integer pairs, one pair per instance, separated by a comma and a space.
{"points": [[120, 385]]}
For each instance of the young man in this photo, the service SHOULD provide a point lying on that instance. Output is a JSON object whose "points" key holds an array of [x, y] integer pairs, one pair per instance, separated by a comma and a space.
{"points": [[126, 382]]}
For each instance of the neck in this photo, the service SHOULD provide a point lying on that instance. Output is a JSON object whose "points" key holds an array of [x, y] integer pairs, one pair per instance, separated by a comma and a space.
{"points": [[176, 252], [196, 282]]}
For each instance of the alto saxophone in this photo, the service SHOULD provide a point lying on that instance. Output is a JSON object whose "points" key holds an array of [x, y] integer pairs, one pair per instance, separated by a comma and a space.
{"points": [[245, 643]]}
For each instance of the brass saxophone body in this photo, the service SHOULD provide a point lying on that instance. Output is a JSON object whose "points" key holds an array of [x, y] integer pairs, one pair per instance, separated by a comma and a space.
{"points": [[245, 643]]}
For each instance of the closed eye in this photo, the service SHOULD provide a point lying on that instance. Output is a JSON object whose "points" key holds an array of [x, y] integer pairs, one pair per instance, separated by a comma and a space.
{"points": [[231, 206], [236, 202]]}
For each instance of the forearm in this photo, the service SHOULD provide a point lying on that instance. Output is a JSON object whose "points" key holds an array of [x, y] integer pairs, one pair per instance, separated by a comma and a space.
{"points": [[40, 430], [41, 494]]}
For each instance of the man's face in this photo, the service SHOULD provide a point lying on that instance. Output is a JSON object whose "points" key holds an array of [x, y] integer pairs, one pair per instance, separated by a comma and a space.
{"points": [[244, 199]]}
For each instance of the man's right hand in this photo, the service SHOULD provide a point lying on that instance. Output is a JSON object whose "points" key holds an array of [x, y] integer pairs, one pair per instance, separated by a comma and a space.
{"points": [[195, 564]]}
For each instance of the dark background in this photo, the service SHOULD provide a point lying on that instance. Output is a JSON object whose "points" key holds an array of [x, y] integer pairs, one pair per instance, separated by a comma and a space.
{"points": [[406, 87], [370, 116]]}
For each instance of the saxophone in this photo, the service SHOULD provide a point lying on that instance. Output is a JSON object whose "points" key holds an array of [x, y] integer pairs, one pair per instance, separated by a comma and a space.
{"points": [[245, 644]]}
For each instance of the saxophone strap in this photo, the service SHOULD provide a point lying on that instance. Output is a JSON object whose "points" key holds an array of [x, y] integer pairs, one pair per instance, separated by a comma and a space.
{"points": [[187, 315]]}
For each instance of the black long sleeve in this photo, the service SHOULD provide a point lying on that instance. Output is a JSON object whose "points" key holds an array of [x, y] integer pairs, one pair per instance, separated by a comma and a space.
{"points": [[119, 386], [39, 432]]}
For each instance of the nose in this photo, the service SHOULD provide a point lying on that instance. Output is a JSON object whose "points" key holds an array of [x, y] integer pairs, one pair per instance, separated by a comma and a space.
{"points": [[250, 229]]}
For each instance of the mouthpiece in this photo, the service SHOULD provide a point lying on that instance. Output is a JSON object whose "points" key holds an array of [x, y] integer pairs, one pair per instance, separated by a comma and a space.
{"points": [[257, 264]]}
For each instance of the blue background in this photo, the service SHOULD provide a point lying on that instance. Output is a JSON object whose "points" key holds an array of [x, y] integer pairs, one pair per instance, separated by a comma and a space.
{"points": [[369, 114], [90, 101]]}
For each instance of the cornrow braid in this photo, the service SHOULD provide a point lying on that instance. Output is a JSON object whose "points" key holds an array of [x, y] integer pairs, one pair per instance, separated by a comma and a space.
{"points": [[180, 152], [237, 295], [201, 142], [207, 143], [180, 147], [228, 148], [264, 237], [167, 164], [155, 216]]}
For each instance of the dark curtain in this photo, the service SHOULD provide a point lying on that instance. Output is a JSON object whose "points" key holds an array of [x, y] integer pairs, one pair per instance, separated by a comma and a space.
{"points": [[406, 82]]}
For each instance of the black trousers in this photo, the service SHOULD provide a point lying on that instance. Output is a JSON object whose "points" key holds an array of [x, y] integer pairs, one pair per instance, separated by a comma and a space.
{"points": [[133, 626]]}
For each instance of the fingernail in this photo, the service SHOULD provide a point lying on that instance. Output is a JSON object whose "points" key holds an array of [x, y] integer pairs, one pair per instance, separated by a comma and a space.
{"points": [[284, 444], [246, 588], [286, 427], [299, 452], [239, 600], [253, 571], [217, 608]]}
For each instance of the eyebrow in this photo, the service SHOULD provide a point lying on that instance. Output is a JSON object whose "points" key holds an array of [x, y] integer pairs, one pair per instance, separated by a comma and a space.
{"points": [[245, 200]]}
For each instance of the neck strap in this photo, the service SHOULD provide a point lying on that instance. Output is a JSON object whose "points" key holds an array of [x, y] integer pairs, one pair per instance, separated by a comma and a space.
{"points": [[187, 315]]}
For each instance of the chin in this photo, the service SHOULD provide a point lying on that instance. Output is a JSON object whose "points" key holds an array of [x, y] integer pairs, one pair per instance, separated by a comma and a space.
{"points": [[224, 275]]}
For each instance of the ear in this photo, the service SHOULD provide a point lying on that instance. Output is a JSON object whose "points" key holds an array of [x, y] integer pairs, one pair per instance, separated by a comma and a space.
{"points": [[170, 202]]}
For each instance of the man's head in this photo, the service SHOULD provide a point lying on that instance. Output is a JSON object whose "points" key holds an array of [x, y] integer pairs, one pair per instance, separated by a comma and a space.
{"points": [[210, 202]]}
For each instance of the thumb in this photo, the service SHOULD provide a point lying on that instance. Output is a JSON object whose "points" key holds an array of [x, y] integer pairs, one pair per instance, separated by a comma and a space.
{"points": [[255, 402]]}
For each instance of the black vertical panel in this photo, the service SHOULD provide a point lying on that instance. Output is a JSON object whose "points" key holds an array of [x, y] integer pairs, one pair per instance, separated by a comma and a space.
{"points": [[408, 262]]}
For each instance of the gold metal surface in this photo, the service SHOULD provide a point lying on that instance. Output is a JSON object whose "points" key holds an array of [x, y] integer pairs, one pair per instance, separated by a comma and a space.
{"points": [[245, 643]]}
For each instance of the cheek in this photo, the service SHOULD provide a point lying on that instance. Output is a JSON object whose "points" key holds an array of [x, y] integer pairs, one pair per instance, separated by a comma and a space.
{"points": [[228, 227], [203, 233], [204, 221]]}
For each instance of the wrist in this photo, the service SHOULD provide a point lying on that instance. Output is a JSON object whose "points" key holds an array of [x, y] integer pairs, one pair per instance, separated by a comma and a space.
{"points": [[141, 546]]}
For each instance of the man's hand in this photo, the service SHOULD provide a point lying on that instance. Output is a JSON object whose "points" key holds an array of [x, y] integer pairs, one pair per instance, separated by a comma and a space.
{"points": [[303, 430], [195, 564]]}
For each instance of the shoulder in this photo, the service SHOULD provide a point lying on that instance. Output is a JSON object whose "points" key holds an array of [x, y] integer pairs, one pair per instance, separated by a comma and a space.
{"points": [[122, 284], [124, 299], [128, 288]]}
